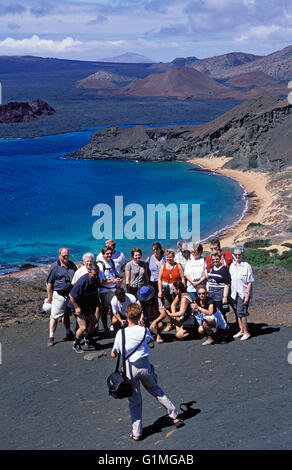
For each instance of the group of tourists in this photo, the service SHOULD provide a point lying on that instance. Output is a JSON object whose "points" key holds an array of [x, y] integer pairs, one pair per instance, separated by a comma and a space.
{"points": [[180, 290]]}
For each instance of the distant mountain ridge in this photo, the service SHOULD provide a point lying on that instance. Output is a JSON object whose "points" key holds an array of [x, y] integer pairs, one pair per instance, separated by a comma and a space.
{"points": [[188, 83], [129, 57], [277, 64], [234, 75]]}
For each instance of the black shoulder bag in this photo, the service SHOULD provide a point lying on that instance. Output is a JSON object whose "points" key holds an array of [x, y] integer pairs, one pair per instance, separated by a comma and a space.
{"points": [[119, 386]]}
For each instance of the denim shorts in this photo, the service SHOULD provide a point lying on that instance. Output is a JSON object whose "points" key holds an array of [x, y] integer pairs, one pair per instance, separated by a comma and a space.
{"points": [[240, 308]]}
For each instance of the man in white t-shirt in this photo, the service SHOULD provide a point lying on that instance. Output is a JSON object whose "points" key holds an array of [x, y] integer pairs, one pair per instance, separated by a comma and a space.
{"points": [[139, 369], [117, 256], [119, 305], [195, 272]]}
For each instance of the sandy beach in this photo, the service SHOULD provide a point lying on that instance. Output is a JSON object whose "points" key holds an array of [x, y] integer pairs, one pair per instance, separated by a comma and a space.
{"points": [[257, 183]]}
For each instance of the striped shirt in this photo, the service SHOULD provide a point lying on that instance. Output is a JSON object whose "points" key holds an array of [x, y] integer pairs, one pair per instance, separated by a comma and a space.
{"points": [[217, 279]]}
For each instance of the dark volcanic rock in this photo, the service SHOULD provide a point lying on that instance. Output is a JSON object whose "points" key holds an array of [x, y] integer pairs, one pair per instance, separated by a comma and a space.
{"points": [[135, 143], [24, 112], [257, 134]]}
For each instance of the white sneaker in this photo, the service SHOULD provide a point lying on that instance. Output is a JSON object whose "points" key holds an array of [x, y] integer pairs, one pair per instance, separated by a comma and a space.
{"points": [[245, 337], [112, 328], [238, 335]]}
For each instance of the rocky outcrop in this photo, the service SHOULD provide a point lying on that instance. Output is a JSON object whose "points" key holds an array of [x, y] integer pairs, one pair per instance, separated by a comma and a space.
{"points": [[135, 143], [103, 79], [256, 134], [24, 112]]}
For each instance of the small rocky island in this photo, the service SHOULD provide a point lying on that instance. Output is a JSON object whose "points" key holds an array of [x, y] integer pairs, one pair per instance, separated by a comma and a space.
{"points": [[24, 111]]}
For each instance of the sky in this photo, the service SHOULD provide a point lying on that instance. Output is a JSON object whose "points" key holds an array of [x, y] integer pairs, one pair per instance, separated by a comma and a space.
{"points": [[158, 29]]}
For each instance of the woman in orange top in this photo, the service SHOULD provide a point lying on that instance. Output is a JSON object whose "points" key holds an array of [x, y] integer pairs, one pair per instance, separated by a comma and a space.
{"points": [[169, 273]]}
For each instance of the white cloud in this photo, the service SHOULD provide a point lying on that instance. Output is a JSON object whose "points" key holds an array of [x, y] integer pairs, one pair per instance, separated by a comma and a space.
{"points": [[98, 28], [259, 33], [35, 44]]}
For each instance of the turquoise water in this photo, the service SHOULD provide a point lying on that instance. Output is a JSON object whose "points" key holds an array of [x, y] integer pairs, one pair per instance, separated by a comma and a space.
{"points": [[46, 199]]}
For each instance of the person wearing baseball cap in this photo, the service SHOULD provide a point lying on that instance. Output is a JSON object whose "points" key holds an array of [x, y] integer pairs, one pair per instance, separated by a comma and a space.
{"points": [[152, 315]]}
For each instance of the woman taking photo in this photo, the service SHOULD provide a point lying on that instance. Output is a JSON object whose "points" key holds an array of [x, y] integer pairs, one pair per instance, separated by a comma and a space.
{"points": [[140, 370], [136, 272]]}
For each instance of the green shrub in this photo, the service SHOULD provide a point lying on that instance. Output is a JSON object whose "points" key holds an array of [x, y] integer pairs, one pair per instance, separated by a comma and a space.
{"points": [[286, 254], [234, 166], [259, 243], [289, 245], [257, 257], [254, 224], [285, 263], [252, 163]]}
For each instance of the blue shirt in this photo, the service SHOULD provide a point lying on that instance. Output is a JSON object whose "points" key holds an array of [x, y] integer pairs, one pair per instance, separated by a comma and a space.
{"points": [[85, 293], [154, 268], [61, 276]]}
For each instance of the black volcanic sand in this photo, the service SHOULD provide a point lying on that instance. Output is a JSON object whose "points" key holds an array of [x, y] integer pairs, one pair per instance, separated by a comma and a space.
{"points": [[232, 395]]}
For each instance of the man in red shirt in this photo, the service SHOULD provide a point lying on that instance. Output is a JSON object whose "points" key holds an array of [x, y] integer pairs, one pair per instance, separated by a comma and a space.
{"points": [[226, 256]]}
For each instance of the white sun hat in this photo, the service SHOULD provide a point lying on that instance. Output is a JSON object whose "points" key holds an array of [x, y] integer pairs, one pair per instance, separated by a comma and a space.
{"points": [[46, 306]]}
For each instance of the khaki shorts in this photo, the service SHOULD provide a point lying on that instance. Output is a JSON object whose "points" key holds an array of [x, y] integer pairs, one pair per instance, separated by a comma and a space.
{"points": [[59, 305]]}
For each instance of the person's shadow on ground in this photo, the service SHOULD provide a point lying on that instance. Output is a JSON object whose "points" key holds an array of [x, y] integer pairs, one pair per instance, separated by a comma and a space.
{"points": [[258, 329], [165, 421], [255, 329]]}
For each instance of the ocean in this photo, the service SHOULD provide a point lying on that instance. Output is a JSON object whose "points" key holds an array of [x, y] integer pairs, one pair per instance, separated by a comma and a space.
{"points": [[47, 199]]}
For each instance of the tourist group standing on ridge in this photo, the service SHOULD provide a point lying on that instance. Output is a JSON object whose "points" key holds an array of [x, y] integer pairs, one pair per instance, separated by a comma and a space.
{"points": [[180, 290]]}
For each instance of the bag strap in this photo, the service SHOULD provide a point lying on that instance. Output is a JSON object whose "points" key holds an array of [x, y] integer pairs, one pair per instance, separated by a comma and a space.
{"points": [[124, 349], [137, 347], [134, 350], [105, 268], [170, 274], [118, 363]]}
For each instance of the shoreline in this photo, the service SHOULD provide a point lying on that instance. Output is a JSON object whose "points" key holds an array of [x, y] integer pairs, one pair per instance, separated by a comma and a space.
{"points": [[257, 207]]}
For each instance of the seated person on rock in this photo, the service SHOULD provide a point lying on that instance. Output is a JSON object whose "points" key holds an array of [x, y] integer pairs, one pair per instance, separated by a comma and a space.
{"points": [[119, 304], [181, 314], [207, 317]]}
